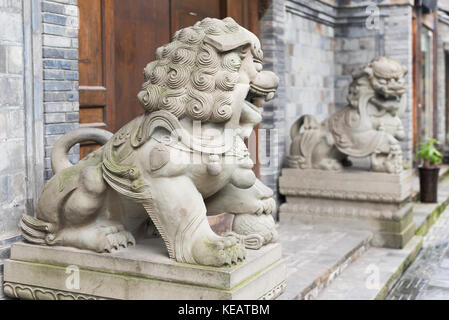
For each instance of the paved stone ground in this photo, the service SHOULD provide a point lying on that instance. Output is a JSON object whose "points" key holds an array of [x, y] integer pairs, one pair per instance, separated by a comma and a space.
{"points": [[428, 276], [316, 255]]}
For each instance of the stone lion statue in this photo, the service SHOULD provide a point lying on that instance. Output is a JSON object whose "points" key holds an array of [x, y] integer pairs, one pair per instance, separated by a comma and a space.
{"points": [[368, 126], [184, 158]]}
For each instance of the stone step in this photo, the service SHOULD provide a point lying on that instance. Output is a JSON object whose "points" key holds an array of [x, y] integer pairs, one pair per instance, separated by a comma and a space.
{"points": [[356, 281], [426, 214], [373, 274], [316, 255]]}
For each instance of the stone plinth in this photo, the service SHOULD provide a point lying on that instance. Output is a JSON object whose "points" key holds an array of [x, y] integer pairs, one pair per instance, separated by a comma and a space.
{"points": [[140, 272], [379, 202]]}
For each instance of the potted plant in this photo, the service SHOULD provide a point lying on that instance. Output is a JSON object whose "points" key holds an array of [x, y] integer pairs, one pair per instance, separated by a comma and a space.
{"points": [[431, 158]]}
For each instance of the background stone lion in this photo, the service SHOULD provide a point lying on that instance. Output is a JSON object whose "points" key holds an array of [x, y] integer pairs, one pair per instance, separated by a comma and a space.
{"points": [[368, 126]]}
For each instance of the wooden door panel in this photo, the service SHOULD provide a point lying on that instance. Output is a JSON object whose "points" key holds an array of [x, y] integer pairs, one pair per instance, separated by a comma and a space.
{"points": [[185, 13], [141, 26], [92, 90], [90, 43], [118, 38]]}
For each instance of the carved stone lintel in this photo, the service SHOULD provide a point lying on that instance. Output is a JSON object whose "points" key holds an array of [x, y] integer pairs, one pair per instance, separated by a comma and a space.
{"points": [[275, 292], [28, 292]]}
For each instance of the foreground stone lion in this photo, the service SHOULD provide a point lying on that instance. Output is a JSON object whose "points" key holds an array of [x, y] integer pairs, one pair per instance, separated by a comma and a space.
{"points": [[181, 160], [369, 126]]}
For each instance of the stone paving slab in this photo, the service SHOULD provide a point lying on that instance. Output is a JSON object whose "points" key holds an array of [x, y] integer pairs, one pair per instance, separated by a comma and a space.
{"points": [[373, 274], [428, 276], [426, 214], [316, 255]]}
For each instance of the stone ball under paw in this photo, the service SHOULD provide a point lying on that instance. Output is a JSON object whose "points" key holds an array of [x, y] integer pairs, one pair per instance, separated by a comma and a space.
{"points": [[248, 224]]}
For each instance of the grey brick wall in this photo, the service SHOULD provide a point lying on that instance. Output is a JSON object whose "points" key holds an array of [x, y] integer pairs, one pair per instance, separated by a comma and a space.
{"points": [[272, 130], [12, 111], [12, 124], [310, 65], [21, 114], [60, 74], [321, 44]]}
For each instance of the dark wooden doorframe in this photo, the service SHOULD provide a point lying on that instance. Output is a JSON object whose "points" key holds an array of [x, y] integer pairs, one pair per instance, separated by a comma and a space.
{"points": [[421, 22], [446, 86], [416, 75], [96, 86], [108, 36]]}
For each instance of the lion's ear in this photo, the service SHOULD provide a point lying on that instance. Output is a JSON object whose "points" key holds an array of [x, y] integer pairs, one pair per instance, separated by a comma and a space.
{"points": [[404, 70], [229, 41]]}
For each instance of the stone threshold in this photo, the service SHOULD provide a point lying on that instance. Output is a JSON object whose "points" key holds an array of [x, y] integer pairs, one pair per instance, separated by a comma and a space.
{"points": [[375, 273]]}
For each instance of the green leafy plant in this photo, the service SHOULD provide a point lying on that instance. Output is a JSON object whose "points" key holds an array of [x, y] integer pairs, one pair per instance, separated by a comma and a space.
{"points": [[429, 154]]}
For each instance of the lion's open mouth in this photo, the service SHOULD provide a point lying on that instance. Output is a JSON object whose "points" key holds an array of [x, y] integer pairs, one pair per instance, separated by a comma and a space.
{"points": [[256, 94]]}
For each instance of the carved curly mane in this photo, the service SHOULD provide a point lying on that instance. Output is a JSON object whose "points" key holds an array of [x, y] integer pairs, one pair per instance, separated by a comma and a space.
{"points": [[189, 78]]}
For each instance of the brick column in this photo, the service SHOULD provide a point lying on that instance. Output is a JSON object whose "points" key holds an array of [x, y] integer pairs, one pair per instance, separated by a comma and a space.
{"points": [[60, 63], [273, 129]]}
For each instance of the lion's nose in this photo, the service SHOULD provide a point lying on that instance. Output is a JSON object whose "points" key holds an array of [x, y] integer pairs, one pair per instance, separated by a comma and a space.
{"points": [[269, 79], [266, 81]]}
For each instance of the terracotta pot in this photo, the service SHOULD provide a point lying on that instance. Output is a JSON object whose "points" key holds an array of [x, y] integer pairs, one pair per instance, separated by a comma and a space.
{"points": [[428, 184]]}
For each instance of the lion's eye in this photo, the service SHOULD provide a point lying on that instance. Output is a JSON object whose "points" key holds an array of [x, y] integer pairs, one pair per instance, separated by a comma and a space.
{"points": [[258, 66], [383, 81]]}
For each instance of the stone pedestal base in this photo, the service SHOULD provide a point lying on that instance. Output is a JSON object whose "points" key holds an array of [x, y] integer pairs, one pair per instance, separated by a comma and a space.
{"points": [[379, 202], [140, 272]]}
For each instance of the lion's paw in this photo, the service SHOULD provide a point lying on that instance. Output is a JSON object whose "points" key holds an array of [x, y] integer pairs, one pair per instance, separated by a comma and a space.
{"points": [[118, 240], [218, 251], [99, 238]]}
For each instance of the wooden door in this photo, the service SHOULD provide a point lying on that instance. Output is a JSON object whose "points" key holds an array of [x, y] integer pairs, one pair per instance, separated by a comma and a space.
{"points": [[185, 13], [94, 81], [446, 79], [118, 38], [417, 81], [141, 26]]}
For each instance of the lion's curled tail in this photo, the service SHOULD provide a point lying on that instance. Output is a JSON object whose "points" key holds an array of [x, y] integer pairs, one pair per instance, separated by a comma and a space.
{"points": [[303, 142], [60, 154], [40, 232]]}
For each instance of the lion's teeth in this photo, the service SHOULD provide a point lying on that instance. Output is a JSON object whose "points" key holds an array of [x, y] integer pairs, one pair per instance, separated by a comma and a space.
{"points": [[269, 96]]}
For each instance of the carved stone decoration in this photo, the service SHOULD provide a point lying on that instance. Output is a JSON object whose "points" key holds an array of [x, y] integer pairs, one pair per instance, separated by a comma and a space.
{"points": [[275, 292], [369, 126], [27, 292], [184, 158]]}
